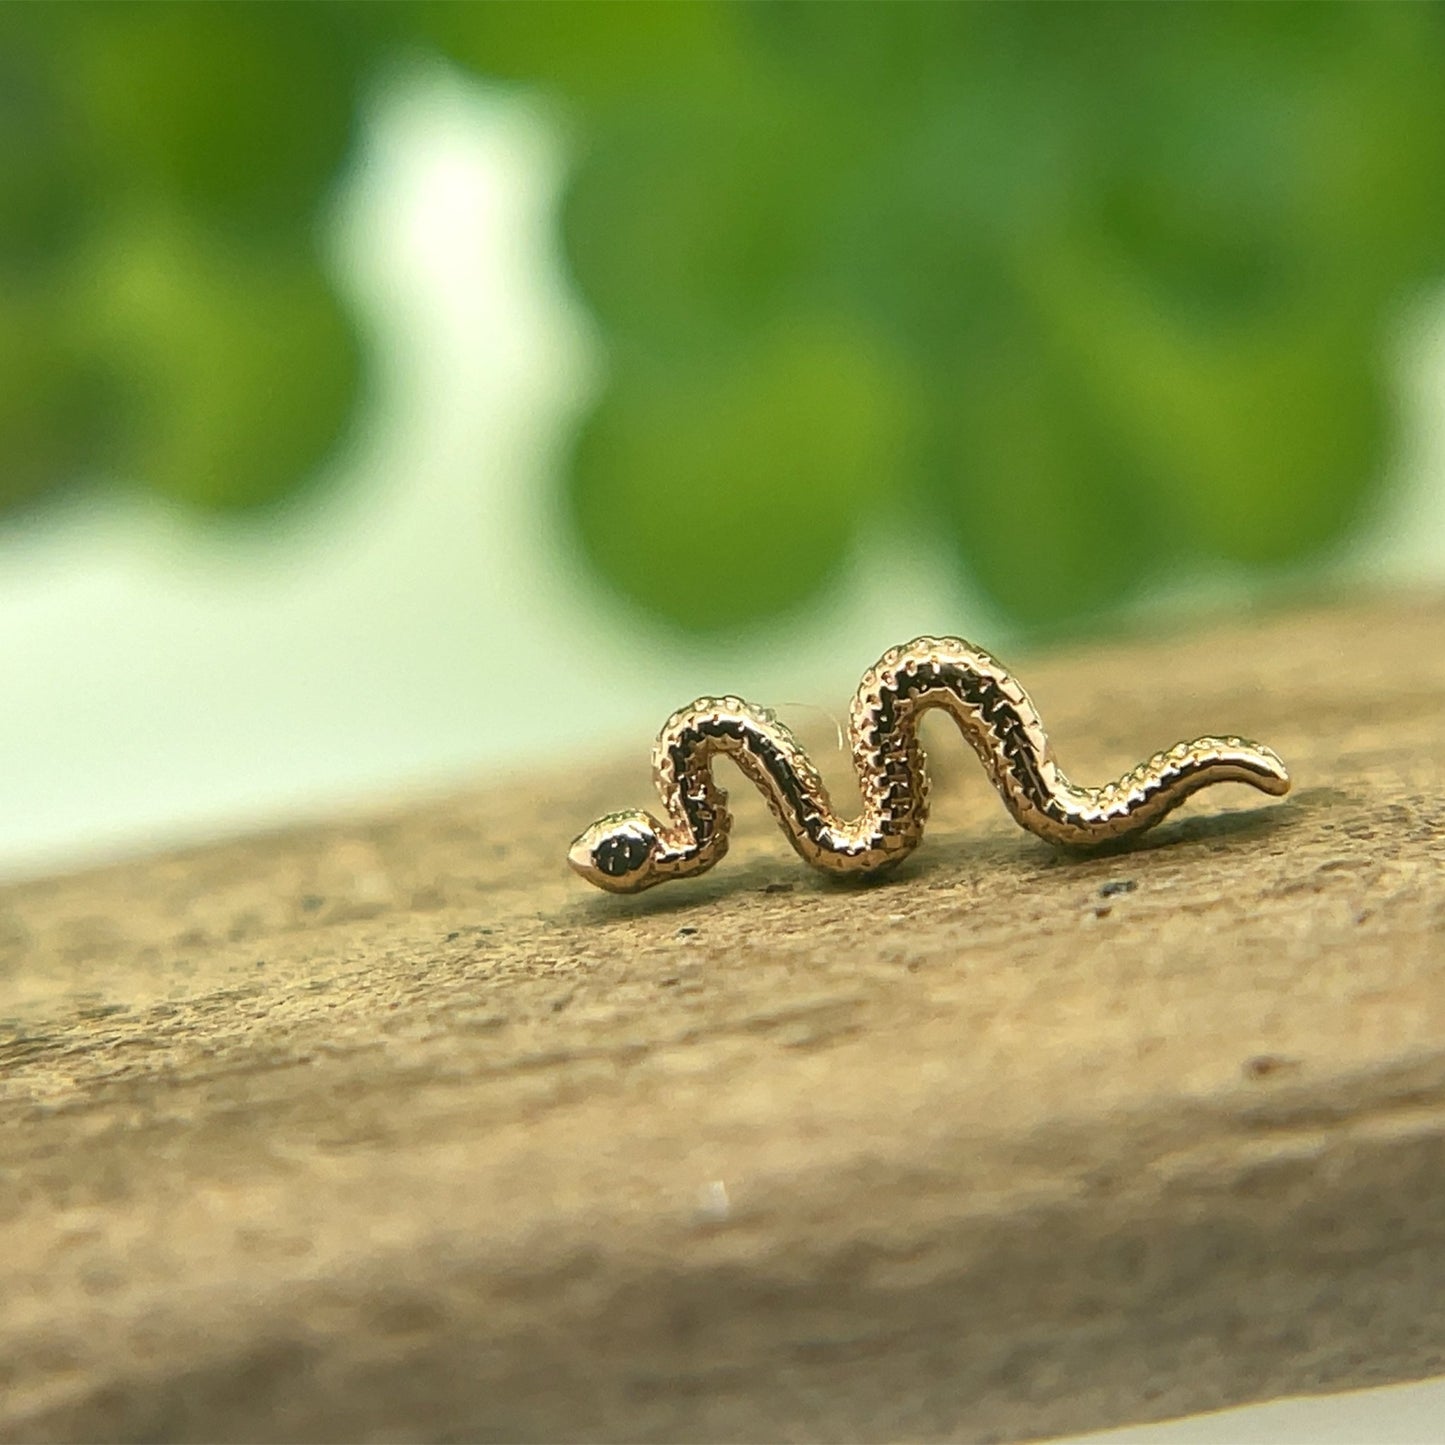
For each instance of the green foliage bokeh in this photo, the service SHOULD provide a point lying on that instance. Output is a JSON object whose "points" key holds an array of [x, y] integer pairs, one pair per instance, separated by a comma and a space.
{"points": [[1089, 291]]}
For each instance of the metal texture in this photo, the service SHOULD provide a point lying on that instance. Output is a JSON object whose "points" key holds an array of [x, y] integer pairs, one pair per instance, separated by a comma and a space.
{"points": [[627, 852]]}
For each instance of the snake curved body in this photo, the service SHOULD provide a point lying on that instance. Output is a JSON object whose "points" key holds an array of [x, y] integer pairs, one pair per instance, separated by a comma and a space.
{"points": [[627, 852]]}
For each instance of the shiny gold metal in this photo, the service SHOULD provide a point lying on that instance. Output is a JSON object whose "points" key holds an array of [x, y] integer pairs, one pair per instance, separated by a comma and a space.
{"points": [[627, 852]]}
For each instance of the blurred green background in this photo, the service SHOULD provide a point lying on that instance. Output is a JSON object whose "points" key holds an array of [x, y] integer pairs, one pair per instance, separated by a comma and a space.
{"points": [[1093, 294], [353, 357]]}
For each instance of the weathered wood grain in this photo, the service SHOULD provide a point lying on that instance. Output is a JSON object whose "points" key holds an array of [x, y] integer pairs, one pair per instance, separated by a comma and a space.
{"points": [[391, 1130]]}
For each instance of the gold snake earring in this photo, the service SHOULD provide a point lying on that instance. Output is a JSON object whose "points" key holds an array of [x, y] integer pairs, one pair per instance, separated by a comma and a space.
{"points": [[627, 852]]}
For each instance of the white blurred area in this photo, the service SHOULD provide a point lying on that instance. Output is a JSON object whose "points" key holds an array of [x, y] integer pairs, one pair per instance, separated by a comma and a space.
{"points": [[165, 683], [1390, 1415]]}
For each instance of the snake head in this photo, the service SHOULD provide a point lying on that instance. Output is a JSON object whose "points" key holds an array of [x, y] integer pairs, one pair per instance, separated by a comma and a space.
{"points": [[618, 853]]}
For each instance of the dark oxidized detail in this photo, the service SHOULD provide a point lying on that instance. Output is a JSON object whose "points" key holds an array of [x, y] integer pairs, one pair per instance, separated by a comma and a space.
{"points": [[627, 852]]}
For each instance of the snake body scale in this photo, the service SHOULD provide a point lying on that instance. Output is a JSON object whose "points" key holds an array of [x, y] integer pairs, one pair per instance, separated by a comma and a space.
{"points": [[627, 852]]}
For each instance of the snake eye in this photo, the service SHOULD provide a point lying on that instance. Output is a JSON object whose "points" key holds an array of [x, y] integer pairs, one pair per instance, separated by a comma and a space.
{"points": [[620, 853]]}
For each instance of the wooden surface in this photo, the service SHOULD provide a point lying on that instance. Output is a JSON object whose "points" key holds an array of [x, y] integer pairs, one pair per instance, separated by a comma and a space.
{"points": [[393, 1130]]}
